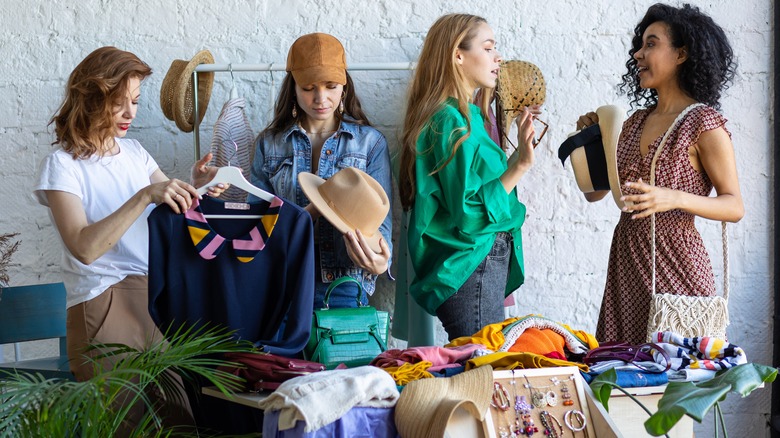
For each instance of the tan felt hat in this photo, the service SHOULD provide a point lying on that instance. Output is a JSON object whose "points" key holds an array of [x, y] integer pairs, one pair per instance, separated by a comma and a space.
{"points": [[350, 200], [176, 92]]}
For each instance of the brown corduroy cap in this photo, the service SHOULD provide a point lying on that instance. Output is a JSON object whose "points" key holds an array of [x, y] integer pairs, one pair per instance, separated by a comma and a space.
{"points": [[317, 57]]}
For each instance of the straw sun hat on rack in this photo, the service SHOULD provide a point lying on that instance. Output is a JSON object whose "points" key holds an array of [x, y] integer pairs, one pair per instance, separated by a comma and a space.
{"points": [[176, 92]]}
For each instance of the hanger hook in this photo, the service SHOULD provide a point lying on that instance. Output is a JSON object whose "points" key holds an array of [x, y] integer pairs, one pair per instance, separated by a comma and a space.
{"points": [[230, 69], [234, 151]]}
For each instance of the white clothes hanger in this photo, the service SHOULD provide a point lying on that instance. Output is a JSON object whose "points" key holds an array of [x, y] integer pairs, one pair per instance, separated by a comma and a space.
{"points": [[233, 176], [233, 90]]}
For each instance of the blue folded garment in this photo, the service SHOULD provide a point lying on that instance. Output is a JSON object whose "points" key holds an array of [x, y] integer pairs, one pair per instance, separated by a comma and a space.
{"points": [[634, 379]]}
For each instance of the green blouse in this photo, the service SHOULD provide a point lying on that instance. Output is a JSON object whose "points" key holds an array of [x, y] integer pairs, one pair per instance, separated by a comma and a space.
{"points": [[459, 210]]}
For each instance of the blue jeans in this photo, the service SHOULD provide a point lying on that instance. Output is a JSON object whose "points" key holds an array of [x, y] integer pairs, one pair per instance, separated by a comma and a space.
{"points": [[345, 295], [480, 301]]}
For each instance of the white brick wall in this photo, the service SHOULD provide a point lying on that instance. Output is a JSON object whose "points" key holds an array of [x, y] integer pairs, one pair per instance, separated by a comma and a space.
{"points": [[580, 46]]}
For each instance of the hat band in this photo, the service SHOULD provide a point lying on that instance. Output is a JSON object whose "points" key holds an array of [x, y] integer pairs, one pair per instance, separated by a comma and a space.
{"points": [[597, 166]]}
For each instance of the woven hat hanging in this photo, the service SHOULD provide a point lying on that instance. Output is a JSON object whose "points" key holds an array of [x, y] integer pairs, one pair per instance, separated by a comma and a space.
{"points": [[176, 97]]}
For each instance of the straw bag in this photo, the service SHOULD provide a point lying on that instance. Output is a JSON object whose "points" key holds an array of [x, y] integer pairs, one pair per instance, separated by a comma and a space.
{"points": [[352, 336], [685, 315]]}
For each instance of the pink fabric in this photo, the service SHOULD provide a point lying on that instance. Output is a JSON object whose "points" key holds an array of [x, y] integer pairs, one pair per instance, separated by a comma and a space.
{"points": [[440, 357]]}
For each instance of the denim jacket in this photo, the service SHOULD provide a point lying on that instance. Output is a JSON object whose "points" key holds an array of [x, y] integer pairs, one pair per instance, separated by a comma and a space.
{"points": [[278, 160]]}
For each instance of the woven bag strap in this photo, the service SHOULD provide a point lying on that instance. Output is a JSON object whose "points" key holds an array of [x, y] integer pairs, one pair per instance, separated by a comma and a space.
{"points": [[724, 231]]}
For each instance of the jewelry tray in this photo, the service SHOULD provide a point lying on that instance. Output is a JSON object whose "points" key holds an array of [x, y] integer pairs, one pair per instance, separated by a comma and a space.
{"points": [[498, 419]]}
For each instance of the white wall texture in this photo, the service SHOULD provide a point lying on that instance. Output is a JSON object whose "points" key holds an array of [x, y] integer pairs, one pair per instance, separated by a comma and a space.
{"points": [[581, 47]]}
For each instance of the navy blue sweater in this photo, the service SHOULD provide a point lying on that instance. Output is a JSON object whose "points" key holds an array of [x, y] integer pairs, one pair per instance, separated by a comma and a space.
{"points": [[248, 275]]}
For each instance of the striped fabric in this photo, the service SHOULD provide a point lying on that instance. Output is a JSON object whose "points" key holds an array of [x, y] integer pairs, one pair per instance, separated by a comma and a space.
{"points": [[705, 353], [232, 125], [209, 244]]}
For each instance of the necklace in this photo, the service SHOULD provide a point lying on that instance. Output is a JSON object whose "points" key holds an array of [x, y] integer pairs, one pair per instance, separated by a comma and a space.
{"points": [[316, 133]]}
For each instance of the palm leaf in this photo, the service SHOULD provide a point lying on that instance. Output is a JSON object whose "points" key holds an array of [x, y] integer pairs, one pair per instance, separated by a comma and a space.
{"points": [[696, 399], [32, 406]]}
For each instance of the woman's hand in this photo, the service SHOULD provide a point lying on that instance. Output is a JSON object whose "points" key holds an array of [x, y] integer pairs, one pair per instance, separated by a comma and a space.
{"points": [[653, 199], [362, 254], [586, 120], [202, 174], [177, 194]]}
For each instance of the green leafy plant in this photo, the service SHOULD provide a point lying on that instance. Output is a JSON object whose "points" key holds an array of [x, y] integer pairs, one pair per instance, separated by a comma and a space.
{"points": [[32, 406], [689, 398]]}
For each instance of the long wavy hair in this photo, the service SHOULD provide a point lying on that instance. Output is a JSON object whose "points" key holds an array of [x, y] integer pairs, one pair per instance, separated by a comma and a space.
{"points": [[283, 118], [85, 119], [437, 77], [710, 67]]}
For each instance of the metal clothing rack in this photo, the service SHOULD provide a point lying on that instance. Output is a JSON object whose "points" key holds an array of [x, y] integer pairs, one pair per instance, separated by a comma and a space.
{"points": [[206, 68]]}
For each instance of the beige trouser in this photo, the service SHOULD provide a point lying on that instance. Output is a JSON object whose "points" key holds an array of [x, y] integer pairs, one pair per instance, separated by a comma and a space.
{"points": [[118, 315]]}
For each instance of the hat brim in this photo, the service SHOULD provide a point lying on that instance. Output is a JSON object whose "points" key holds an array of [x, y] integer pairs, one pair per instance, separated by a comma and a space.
{"points": [[447, 406], [320, 73], [611, 119], [310, 184]]}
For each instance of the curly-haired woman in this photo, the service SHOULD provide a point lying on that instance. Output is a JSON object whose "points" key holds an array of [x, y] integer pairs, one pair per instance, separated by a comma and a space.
{"points": [[679, 57]]}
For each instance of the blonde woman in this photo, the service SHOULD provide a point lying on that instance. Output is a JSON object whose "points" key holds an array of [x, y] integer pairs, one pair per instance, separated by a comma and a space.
{"points": [[464, 230]]}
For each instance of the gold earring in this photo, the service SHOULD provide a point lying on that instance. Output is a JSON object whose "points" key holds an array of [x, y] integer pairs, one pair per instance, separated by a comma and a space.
{"points": [[341, 107], [294, 111]]}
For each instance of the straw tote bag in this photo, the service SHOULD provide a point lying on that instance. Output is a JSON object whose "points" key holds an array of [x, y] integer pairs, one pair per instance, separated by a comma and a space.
{"points": [[685, 315]]}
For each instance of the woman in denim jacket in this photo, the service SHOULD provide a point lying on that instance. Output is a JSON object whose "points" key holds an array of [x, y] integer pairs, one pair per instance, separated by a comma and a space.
{"points": [[319, 127]]}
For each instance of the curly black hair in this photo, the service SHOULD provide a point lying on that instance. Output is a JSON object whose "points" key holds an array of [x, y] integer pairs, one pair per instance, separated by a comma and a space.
{"points": [[710, 67]]}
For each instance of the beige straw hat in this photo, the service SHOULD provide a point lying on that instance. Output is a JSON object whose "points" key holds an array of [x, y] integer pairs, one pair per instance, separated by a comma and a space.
{"points": [[593, 153], [351, 199], [176, 91], [445, 406], [520, 84]]}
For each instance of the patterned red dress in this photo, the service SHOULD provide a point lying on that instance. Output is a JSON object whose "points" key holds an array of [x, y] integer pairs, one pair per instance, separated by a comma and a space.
{"points": [[683, 266]]}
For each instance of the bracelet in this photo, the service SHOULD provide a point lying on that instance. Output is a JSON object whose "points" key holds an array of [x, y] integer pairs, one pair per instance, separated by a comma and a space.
{"points": [[549, 429], [500, 398], [575, 416]]}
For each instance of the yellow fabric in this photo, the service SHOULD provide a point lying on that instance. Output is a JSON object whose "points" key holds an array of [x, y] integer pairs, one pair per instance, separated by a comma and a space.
{"points": [[510, 361], [584, 336], [198, 234], [490, 336], [409, 372], [269, 222]]}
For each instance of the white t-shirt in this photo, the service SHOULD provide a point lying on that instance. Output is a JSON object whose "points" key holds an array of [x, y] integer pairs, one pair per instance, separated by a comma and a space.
{"points": [[103, 185]]}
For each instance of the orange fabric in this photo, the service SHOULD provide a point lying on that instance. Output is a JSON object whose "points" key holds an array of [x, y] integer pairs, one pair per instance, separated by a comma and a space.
{"points": [[540, 341]]}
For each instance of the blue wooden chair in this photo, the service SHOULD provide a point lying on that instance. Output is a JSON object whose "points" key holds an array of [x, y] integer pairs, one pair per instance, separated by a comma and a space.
{"points": [[30, 313]]}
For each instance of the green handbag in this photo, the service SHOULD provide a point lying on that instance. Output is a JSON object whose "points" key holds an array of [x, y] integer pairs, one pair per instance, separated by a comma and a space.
{"points": [[352, 336]]}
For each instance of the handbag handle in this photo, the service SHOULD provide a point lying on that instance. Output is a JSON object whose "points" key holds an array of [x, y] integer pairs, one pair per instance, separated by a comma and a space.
{"points": [[628, 353], [338, 282], [724, 232]]}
